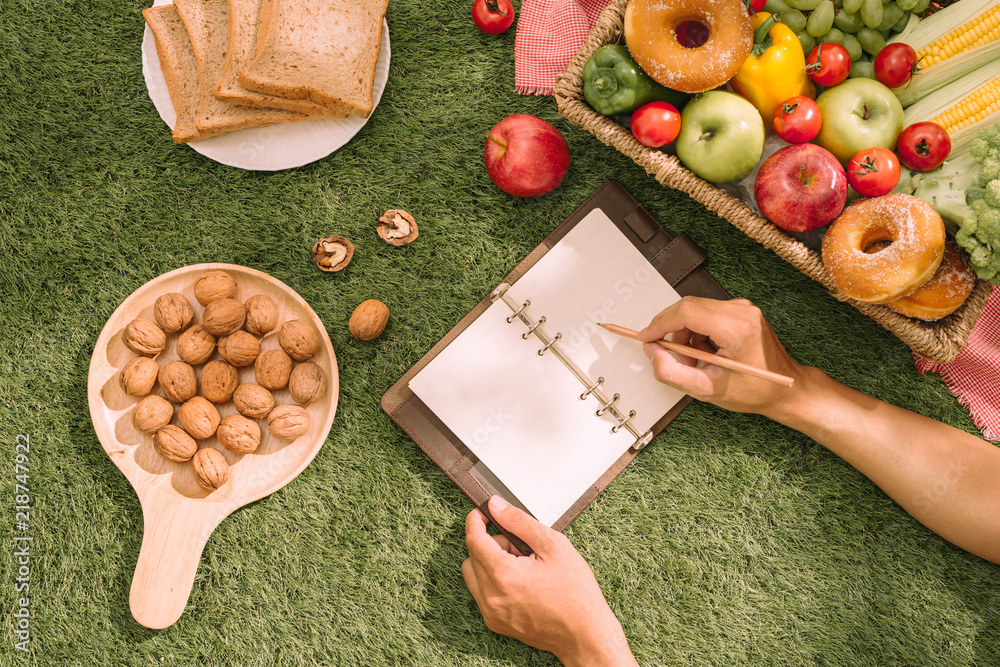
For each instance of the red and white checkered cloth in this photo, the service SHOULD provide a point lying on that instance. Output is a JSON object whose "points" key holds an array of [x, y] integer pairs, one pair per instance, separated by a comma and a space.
{"points": [[549, 33], [974, 375]]}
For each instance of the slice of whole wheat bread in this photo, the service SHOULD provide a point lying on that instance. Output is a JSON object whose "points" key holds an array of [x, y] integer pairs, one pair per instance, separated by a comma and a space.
{"points": [[321, 50], [244, 20], [208, 27]]}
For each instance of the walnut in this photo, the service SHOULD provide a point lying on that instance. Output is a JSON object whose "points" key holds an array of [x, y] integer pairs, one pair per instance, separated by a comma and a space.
{"points": [[262, 315], [152, 413], [139, 376], [240, 349], [178, 382], [195, 345], [307, 383], [288, 422], [298, 339], [210, 468], [332, 253], [252, 400], [218, 381], [214, 285], [272, 369], [199, 418], [397, 227], [173, 312], [369, 319], [223, 317], [144, 337], [239, 434], [174, 444]]}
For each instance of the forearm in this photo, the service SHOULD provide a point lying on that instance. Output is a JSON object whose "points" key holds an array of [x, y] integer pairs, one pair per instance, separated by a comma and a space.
{"points": [[947, 479], [606, 646]]}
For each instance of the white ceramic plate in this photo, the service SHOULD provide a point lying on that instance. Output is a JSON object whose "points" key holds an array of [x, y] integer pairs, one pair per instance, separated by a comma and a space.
{"points": [[268, 148]]}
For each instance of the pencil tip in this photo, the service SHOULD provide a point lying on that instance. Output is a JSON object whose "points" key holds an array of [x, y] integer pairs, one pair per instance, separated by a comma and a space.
{"points": [[600, 324]]}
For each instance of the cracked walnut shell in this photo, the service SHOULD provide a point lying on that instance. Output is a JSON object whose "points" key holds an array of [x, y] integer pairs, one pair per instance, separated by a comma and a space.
{"points": [[223, 317], [288, 422], [262, 314], [306, 383], [195, 345], [178, 382], [152, 413], [214, 285], [239, 434], [397, 227], [218, 381], [139, 376], [210, 468], [173, 312], [174, 444], [199, 418], [332, 253], [298, 339], [144, 337], [252, 400], [272, 369], [240, 349], [369, 319]]}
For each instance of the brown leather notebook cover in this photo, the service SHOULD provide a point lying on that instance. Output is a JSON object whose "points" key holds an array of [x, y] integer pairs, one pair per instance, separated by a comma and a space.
{"points": [[679, 260]]}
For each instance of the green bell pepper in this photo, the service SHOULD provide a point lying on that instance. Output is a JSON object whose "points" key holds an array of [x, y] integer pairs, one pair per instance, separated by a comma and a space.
{"points": [[614, 84]]}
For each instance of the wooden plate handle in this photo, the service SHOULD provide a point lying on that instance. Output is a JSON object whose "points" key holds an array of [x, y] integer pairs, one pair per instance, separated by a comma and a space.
{"points": [[174, 534]]}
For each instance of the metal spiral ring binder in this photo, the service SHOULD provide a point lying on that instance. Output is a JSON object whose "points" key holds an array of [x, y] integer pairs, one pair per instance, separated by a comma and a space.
{"points": [[551, 343]]}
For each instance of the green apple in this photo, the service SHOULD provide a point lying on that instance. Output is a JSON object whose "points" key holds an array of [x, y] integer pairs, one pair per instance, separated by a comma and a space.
{"points": [[858, 114], [722, 136]]}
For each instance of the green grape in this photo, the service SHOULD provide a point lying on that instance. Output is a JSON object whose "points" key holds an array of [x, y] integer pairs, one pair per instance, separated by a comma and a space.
{"points": [[902, 22], [906, 5], [834, 35], [920, 7], [838, 3], [821, 19], [891, 14], [853, 46], [804, 5], [807, 41], [848, 22], [871, 40], [871, 13], [794, 19], [776, 6], [886, 2], [852, 6], [862, 69]]}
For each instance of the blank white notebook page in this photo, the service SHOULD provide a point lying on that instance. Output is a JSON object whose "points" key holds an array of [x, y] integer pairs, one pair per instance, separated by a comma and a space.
{"points": [[521, 413]]}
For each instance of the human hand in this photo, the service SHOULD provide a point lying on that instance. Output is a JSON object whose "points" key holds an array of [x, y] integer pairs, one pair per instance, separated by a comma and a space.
{"points": [[549, 600], [734, 329]]}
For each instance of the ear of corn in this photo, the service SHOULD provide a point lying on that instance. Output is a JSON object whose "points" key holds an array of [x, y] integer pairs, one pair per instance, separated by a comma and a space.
{"points": [[952, 30], [963, 106], [928, 80]]}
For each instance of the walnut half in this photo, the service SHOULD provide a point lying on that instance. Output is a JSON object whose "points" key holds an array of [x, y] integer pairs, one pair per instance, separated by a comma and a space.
{"points": [[332, 253], [397, 227]]}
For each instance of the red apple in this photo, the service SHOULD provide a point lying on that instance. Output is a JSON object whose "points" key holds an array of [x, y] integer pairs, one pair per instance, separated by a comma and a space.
{"points": [[526, 156], [801, 187]]}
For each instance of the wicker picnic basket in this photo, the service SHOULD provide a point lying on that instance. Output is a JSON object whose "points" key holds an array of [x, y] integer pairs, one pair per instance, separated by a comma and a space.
{"points": [[938, 341]]}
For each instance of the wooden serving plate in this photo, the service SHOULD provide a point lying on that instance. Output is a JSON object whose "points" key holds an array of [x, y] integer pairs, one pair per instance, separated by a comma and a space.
{"points": [[178, 515]]}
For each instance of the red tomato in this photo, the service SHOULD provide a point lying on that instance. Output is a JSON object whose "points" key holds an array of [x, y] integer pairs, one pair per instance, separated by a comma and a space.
{"points": [[493, 16], [895, 64], [923, 146], [828, 63], [798, 119], [656, 124], [754, 6], [873, 172]]}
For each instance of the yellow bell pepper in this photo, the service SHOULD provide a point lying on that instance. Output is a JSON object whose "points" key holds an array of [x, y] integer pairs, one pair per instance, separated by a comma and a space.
{"points": [[775, 68]]}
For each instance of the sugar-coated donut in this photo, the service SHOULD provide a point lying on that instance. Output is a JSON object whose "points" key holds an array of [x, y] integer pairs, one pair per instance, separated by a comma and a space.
{"points": [[915, 233], [651, 37], [947, 289]]}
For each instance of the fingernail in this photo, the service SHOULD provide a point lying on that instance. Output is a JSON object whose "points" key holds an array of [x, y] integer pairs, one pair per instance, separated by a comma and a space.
{"points": [[647, 349], [497, 504]]}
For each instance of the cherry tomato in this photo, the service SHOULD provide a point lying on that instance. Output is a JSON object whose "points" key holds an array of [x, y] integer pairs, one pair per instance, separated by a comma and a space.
{"points": [[493, 16], [828, 63], [656, 124], [873, 172], [923, 146], [895, 64], [798, 119], [754, 6]]}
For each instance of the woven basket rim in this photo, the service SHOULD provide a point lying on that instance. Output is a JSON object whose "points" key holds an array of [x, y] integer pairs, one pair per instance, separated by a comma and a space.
{"points": [[938, 341]]}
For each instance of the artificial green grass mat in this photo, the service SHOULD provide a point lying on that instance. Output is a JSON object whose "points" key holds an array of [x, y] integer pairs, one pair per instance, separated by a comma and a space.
{"points": [[729, 541]]}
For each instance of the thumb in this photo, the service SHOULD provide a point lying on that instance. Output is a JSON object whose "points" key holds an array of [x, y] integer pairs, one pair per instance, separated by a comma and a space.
{"points": [[517, 522]]}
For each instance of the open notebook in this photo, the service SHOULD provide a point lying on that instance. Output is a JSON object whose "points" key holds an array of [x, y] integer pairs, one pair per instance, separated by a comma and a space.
{"points": [[508, 401]]}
